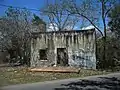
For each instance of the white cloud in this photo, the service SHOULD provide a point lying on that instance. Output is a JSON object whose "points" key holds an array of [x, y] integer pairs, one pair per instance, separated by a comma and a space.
{"points": [[88, 27], [76, 28], [52, 27]]}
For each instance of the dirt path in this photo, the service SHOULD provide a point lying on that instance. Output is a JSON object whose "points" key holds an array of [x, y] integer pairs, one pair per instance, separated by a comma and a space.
{"points": [[101, 82]]}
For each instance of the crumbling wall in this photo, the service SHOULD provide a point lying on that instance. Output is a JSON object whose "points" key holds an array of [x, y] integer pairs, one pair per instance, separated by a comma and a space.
{"points": [[80, 45], [82, 50]]}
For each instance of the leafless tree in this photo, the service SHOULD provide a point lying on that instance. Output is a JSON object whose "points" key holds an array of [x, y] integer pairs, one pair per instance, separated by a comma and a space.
{"points": [[58, 17], [93, 11], [15, 30]]}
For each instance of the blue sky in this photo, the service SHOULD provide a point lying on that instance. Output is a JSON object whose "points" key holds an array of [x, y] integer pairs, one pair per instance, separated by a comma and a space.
{"points": [[35, 4], [32, 4]]}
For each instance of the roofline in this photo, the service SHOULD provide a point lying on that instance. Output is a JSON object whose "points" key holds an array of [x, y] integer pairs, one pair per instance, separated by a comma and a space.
{"points": [[69, 31]]}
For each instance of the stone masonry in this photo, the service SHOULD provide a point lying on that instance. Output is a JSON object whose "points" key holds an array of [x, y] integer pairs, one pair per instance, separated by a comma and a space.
{"points": [[75, 48]]}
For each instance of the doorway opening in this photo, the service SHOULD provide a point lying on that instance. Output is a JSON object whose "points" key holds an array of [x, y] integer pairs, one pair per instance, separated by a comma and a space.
{"points": [[62, 57]]}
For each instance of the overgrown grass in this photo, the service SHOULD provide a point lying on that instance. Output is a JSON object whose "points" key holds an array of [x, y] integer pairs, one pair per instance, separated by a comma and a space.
{"points": [[21, 75]]}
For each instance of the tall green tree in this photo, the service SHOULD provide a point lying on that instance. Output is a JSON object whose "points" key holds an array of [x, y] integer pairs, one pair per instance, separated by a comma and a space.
{"points": [[38, 23], [37, 20], [112, 52], [114, 23]]}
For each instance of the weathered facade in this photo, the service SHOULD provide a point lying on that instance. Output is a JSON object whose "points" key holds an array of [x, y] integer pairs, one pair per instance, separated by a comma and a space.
{"points": [[64, 48]]}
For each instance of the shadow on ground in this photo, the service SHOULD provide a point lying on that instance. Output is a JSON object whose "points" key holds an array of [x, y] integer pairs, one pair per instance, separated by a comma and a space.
{"points": [[104, 83]]}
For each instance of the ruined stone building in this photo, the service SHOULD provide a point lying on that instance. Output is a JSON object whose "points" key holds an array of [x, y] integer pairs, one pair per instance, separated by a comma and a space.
{"points": [[64, 48]]}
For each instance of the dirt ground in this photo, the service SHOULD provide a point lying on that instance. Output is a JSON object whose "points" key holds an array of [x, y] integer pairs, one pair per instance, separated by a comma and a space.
{"points": [[22, 75]]}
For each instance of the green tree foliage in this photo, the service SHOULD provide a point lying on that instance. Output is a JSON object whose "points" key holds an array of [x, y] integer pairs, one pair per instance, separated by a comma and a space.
{"points": [[112, 53], [114, 22], [37, 20]]}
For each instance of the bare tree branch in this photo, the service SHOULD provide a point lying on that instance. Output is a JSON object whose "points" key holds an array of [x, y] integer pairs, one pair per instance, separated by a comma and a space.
{"points": [[59, 17]]}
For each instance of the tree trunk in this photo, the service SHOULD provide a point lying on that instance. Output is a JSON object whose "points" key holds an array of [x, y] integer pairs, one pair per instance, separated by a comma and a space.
{"points": [[104, 52], [104, 38]]}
